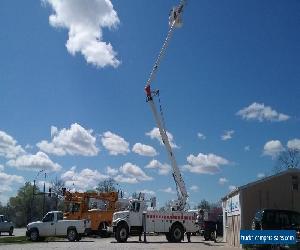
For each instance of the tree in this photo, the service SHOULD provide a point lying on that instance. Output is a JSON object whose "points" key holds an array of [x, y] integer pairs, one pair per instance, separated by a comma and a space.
{"points": [[23, 208], [289, 158], [109, 185], [56, 201], [204, 204]]}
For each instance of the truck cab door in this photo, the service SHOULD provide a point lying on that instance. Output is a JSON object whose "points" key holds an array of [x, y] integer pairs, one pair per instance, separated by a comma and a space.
{"points": [[47, 227], [135, 214]]}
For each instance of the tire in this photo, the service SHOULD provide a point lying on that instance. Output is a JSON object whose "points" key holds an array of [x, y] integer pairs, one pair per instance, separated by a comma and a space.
{"points": [[168, 237], [72, 234], [34, 235], [212, 236], [102, 230], [122, 233], [11, 231], [176, 233]]}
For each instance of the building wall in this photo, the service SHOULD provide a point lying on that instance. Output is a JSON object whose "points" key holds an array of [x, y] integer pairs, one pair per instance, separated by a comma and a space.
{"points": [[276, 193]]}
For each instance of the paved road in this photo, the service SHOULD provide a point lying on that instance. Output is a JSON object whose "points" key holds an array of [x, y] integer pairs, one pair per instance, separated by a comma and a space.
{"points": [[154, 242]]}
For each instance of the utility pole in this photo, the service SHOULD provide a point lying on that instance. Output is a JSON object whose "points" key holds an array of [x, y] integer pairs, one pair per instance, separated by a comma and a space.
{"points": [[44, 198]]}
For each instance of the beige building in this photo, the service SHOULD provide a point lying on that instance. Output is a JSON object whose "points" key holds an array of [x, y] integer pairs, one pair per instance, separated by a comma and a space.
{"points": [[280, 191]]}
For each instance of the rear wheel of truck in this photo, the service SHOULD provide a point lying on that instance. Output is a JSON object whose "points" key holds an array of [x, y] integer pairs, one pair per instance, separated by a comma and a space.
{"points": [[102, 230], [72, 235], [34, 235], [176, 233], [122, 233]]}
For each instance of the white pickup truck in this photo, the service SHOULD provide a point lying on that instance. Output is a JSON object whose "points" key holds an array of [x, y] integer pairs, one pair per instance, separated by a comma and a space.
{"points": [[53, 224], [6, 226]]}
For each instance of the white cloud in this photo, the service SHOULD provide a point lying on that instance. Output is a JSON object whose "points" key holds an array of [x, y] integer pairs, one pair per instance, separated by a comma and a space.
{"points": [[144, 150], [146, 191], [247, 148], [227, 135], [231, 188], [132, 172], [85, 20], [154, 134], [8, 146], [1, 167], [294, 144], [35, 162], [83, 180], [74, 141], [125, 179], [260, 112], [194, 188], [260, 175], [273, 148], [201, 136], [205, 164], [8, 181], [163, 169], [115, 144], [222, 180], [168, 190], [111, 171]]}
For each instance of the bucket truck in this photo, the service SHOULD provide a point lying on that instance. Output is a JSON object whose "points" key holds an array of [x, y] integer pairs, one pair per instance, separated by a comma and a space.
{"points": [[138, 218]]}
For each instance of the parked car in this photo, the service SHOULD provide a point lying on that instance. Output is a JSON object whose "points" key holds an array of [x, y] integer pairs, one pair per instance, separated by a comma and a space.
{"points": [[6, 226], [53, 224], [276, 219], [211, 229]]}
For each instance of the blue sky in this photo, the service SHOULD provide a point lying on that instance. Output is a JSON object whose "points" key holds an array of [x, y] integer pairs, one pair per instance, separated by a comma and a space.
{"points": [[72, 93]]}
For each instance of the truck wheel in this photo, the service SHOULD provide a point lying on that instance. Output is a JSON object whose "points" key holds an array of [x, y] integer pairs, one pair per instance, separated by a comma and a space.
{"points": [[11, 231], [34, 235], [102, 230], [176, 233], [72, 235], [122, 233]]}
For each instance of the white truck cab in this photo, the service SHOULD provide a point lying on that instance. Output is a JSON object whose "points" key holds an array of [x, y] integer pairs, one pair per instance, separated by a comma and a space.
{"points": [[53, 224]]}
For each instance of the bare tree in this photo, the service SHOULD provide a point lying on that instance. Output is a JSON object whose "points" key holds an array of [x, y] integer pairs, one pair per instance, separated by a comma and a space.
{"points": [[108, 185], [289, 158]]}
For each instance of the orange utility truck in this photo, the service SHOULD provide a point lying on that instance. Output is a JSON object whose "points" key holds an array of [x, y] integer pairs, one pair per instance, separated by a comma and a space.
{"points": [[96, 207]]}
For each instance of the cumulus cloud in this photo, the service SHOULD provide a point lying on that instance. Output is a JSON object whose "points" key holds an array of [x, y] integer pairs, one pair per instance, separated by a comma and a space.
{"points": [[222, 180], [73, 141], [227, 135], [85, 20], [154, 134], [1, 167], [205, 164], [8, 146], [163, 169], [201, 136], [294, 144], [111, 171], [39, 161], [273, 148], [82, 180], [168, 190], [144, 150], [130, 170], [8, 181], [260, 175], [260, 112], [115, 144], [194, 188]]}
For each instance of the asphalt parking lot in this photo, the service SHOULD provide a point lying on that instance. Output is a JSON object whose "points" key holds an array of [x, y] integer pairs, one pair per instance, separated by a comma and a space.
{"points": [[154, 242]]}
